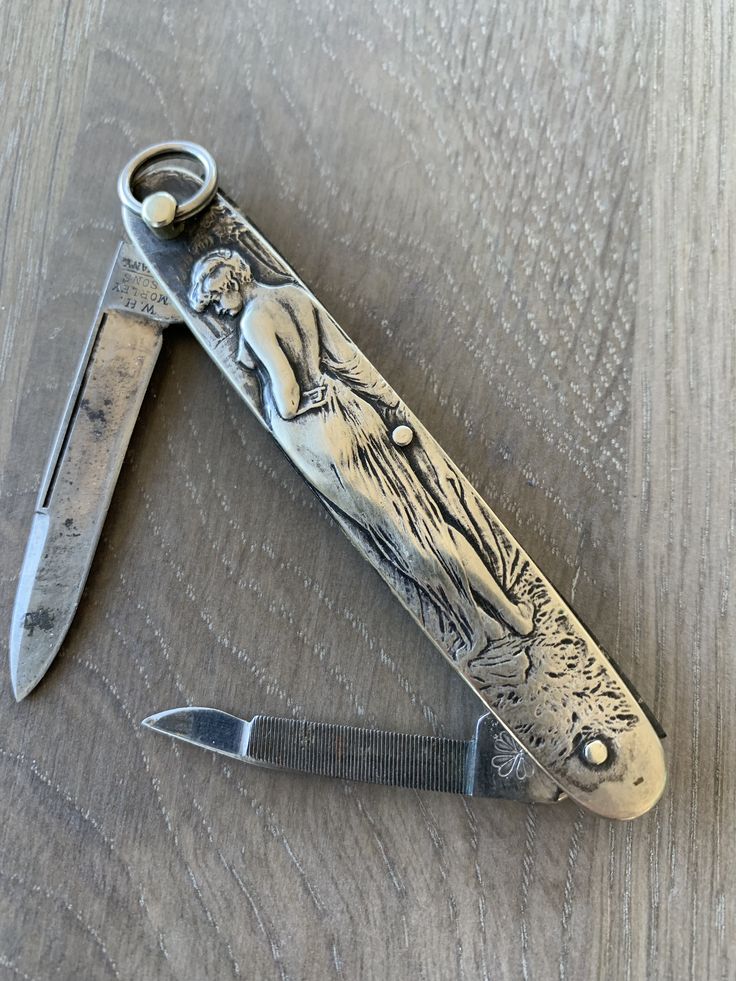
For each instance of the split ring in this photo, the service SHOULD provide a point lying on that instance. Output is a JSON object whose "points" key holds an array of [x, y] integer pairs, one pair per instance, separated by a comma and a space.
{"points": [[161, 210]]}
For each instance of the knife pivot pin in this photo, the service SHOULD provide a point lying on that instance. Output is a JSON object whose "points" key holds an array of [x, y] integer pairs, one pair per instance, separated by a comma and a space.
{"points": [[402, 435], [595, 752]]}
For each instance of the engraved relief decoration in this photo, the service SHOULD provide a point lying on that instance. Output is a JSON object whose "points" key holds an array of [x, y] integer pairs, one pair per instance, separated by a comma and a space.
{"points": [[399, 497]]}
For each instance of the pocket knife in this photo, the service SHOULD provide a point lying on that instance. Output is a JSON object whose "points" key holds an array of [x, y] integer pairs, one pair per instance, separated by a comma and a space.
{"points": [[559, 719]]}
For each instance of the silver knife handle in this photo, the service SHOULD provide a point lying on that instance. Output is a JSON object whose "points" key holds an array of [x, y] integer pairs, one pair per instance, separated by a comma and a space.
{"points": [[395, 759], [405, 505]]}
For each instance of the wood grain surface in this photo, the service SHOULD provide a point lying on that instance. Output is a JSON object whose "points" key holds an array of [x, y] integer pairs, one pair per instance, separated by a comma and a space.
{"points": [[525, 216]]}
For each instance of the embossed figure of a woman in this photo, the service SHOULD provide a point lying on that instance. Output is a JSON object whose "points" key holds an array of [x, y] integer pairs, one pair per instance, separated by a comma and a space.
{"points": [[320, 398]]}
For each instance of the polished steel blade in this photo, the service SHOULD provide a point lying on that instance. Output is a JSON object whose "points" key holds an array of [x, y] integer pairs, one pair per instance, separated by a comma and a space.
{"points": [[83, 468], [204, 727], [488, 765]]}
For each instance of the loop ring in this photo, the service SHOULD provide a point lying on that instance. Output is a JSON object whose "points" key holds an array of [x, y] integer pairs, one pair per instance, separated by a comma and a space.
{"points": [[160, 151]]}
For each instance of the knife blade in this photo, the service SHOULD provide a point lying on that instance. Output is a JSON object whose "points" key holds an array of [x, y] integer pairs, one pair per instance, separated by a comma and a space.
{"points": [[91, 441], [490, 764]]}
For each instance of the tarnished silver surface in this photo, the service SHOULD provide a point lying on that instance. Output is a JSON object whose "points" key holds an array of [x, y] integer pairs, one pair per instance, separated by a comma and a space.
{"points": [[488, 765], [85, 461], [408, 509]]}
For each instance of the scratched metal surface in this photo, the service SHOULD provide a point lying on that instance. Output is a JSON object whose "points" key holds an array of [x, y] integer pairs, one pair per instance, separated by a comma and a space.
{"points": [[527, 223]]}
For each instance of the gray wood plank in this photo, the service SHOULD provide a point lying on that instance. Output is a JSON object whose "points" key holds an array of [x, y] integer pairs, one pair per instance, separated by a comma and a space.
{"points": [[526, 220]]}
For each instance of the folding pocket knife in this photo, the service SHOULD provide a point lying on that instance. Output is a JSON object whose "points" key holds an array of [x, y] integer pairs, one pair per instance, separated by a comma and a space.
{"points": [[559, 719]]}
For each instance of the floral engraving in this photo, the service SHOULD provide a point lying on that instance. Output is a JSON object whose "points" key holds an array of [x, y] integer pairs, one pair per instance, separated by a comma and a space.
{"points": [[509, 760]]}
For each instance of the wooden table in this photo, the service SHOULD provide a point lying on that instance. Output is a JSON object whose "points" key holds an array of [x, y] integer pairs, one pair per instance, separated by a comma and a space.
{"points": [[525, 215]]}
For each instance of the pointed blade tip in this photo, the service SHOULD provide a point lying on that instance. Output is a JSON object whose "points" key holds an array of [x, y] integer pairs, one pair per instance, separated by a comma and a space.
{"points": [[176, 722], [19, 693], [154, 720], [21, 682], [28, 665]]}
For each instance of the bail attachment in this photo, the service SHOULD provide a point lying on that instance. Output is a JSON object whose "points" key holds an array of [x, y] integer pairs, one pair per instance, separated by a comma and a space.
{"points": [[161, 212]]}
